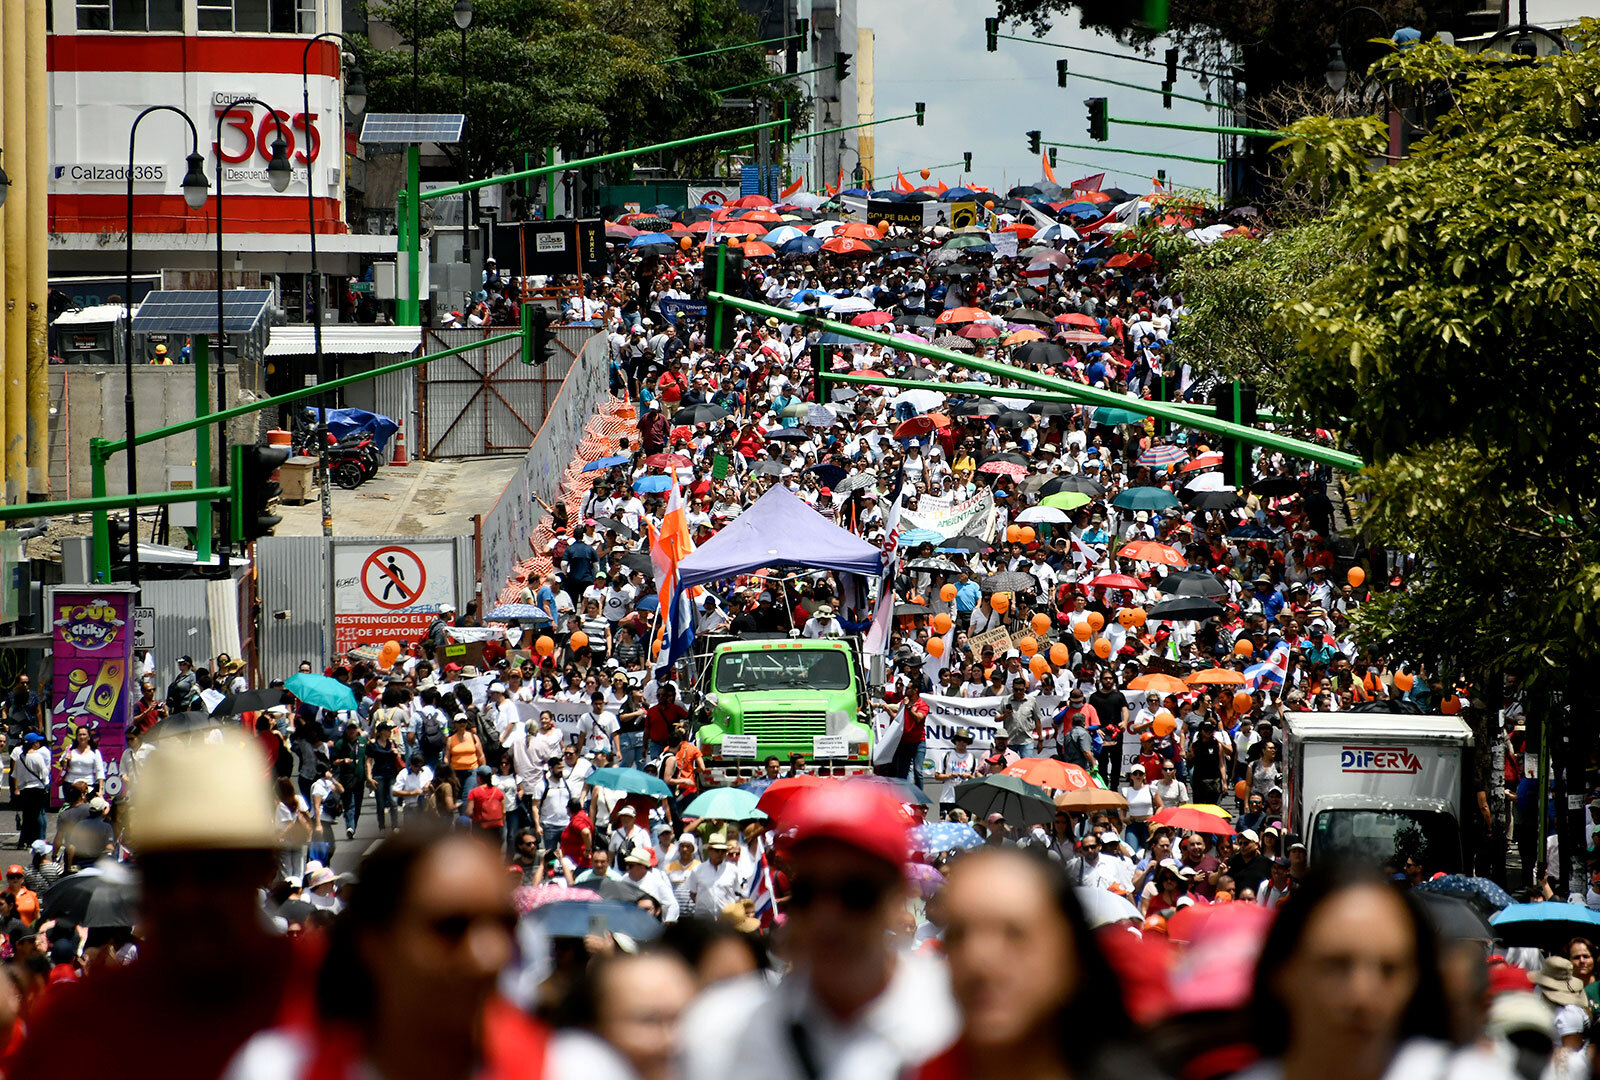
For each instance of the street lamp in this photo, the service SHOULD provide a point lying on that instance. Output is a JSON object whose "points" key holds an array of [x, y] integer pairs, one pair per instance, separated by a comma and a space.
{"points": [[462, 14], [279, 173], [355, 101], [194, 196], [1337, 73]]}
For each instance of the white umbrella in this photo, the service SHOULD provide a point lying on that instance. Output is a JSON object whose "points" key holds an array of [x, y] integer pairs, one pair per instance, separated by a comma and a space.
{"points": [[1052, 514], [805, 199], [852, 305], [783, 234], [1103, 907], [825, 229], [921, 400], [1207, 481]]}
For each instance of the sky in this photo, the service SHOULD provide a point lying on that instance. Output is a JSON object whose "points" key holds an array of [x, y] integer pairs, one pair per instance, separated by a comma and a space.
{"points": [[933, 51]]}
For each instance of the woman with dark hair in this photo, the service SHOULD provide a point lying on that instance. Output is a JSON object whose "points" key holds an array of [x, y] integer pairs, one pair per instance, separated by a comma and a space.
{"points": [[1025, 972], [1348, 987], [407, 988]]}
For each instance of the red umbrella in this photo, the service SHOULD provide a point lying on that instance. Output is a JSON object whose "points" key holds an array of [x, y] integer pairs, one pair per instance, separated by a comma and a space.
{"points": [[860, 230], [667, 461], [846, 245], [1188, 820], [978, 330], [1204, 461], [1077, 319], [766, 217], [742, 228], [1004, 468], [750, 201], [777, 797], [917, 425], [755, 249], [1050, 773], [872, 318], [699, 226], [869, 371], [961, 314], [1116, 581]]}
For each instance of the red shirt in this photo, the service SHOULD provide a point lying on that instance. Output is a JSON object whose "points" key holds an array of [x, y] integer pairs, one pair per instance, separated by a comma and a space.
{"points": [[916, 721], [486, 806], [572, 845], [660, 717]]}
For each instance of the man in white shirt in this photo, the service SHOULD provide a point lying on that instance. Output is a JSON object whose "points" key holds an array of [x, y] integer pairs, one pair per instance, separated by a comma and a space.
{"points": [[600, 728], [651, 879], [715, 883], [410, 785], [822, 623], [626, 835]]}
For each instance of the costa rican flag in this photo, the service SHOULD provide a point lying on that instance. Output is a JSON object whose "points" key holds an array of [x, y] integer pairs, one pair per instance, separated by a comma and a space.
{"points": [[1274, 669], [877, 640], [668, 547], [759, 889]]}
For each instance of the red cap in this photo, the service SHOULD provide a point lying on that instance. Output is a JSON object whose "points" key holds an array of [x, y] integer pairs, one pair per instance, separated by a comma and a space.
{"points": [[1507, 978], [16, 869], [856, 814]]}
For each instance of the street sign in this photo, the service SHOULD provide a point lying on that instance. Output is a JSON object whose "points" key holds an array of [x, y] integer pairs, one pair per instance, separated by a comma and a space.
{"points": [[386, 591], [144, 628]]}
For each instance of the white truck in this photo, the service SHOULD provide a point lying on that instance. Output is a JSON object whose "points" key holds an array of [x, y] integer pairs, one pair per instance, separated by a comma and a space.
{"points": [[1377, 787]]}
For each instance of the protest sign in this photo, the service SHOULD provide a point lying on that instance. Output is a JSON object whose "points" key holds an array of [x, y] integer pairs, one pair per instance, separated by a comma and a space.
{"points": [[953, 517]]}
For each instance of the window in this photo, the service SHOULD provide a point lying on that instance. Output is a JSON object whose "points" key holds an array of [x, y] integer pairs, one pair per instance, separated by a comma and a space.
{"points": [[133, 15], [257, 16]]}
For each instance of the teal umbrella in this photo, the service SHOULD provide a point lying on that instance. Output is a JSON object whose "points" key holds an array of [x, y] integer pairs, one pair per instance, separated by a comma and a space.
{"points": [[630, 781], [724, 804], [1144, 498], [1106, 416], [321, 691]]}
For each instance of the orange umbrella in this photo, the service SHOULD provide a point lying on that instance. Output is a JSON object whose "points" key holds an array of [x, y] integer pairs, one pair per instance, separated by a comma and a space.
{"points": [[1050, 773], [755, 249], [1023, 231], [860, 230], [768, 217], [1203, 461], [846, 245], [1160, 684], [962, 314], [742, 228], [1184, 818], [1151, 552], [1092, 798], [1216, 677], [1017, 337]]}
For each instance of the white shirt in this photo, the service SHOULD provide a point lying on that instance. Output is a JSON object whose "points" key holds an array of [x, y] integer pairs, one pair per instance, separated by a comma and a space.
{"points": [[713, 888], [83, 765], [31, 768], [598, 730], [408, 784]]}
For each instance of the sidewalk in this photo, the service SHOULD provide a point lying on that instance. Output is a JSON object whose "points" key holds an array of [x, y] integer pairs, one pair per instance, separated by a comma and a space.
{"points": [[423, 498]]}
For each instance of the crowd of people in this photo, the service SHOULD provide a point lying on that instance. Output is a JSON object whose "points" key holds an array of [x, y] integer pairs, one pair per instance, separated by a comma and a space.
{"points": [[1148, 608]]}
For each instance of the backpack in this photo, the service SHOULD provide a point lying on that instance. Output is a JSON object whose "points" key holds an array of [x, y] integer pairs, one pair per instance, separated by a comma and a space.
{"points": [[1073, 750], [432, 743], [490, 740]]}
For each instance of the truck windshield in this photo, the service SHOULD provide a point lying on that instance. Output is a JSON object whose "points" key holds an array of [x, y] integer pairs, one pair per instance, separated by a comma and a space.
{"points": [[782, 669], [1388, 837]]}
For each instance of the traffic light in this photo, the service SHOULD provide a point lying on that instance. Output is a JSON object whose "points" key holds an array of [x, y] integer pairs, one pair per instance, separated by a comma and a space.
{"points": [[1161, 177], [1099, 125], [922, 111], [966, 161], [542, 342], [1172, 66], [1052, 157], [1033, 141], [1166, 95], [991, 31], [1061, 73], [254, 490], [118, 530], [841, 66]]}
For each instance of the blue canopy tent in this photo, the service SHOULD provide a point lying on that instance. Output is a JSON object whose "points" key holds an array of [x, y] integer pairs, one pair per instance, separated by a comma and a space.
{"points": [[779, 530]]}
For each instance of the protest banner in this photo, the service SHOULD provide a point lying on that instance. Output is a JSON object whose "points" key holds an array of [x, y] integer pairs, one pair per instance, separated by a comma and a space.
{"points": [[999, 637], [974, 516]]}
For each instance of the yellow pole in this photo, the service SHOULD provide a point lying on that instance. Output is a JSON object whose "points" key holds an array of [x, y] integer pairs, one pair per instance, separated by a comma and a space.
{"points": [[38, 290], [7, 56], [16, 227]]}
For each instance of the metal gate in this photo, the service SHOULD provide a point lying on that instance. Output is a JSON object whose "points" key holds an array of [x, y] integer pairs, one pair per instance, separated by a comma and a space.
{"points": [[485, 400]]}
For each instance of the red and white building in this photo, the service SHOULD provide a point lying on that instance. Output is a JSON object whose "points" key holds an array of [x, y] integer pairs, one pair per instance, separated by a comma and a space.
{"points": [[110, 59]]}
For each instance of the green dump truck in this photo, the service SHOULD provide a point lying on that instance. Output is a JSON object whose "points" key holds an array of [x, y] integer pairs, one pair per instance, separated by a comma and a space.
{"points": [[783, 691]]}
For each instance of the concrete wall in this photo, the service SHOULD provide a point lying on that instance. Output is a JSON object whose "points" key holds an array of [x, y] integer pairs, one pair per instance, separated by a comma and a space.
{"points": [[86, 402]]}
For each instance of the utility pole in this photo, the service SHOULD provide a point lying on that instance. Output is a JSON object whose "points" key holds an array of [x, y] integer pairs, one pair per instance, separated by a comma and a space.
{"points": [[763, 149]]}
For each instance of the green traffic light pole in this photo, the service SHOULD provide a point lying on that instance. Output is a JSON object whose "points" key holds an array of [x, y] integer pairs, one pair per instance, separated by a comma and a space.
{"points": [[1135, 153], [408, 312], [729, 48], [853, 127], [1210, 129], [772, 79], [1141, 89], [930, 168], [1087, 395], [1114, 56]]}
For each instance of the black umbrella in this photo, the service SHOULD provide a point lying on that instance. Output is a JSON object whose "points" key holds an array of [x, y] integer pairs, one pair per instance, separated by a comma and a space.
{"points": [[1276, 487], [828, 474], [1117, 194], [767, 468], [640, 561], [1191, 583], [105, 894], [1014, 459], [1009, 581], [1213, 500], [919, 374], [1185, 609], [918, 196], [249, 701], [1026, 293], [1040, 354], [795, 434], [1030, 316], [955, 269], [697, 213], [616, 526], [860, 481], [912, 609], [942, 565], [975, 408], [967, 543], [699, 414], [1013, 418], [1081, 483], [921, 320], [626, 891], [183, 723], [1021, 191], [1043, 409], [1453, 918]]}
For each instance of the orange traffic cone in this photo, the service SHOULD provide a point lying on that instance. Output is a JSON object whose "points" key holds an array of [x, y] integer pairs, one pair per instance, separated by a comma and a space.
{"points": [[400, 448]]}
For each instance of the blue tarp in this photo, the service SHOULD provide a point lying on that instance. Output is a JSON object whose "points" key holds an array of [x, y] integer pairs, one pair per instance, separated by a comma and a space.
{"points": [[342, 422], [779, 530]]}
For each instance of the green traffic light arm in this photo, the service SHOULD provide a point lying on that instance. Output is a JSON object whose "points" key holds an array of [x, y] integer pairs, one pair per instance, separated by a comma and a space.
{"points": [[773, 78], [1136, 153], [728, 48], [1115, 56], [1088, 395], [598, 159], [24, 511], [930, 168], [1141, 89], [112, 447], [852, 127], [1210, 129]]}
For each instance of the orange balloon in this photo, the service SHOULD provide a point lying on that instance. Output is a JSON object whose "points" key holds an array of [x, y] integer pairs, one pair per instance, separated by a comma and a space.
{"points": [[1102, 648], [1026, 534], [1451, 705], [948, 594], [389, 654], [545, 646], [1244, 647], [989, 205], [1243, 702], [684, 242], [1040, 624], [1241, 791], [1356, 577], [942, 624], [1138, 616], [924, 174], [1060, 654], [1001, 602], [1125, 617], [1404, 680], [1097, 621], [578, 639], [936, 647], [1164, 724], [1039, 666], [1027, 645], [883, 226], [1013, 534], [1083, 631]]}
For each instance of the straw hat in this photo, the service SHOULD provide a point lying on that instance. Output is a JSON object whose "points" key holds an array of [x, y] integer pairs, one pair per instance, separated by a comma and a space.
{"points": [[1557, 982], [202, 796]]}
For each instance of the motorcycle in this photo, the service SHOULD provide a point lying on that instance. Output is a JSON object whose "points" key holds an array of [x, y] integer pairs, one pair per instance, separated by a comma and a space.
{"points": [[352, 460]]}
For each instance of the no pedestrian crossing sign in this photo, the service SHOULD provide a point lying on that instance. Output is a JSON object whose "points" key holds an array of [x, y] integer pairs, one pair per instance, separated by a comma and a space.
{"points": [[389, 591]]}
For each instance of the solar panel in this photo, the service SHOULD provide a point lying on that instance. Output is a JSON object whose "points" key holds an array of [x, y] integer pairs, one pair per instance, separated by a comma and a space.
{"points": [[412, 128], [194, 311]]}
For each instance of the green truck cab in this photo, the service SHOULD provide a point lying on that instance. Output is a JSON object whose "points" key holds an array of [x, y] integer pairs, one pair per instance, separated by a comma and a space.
{"points": [[784, 691]]}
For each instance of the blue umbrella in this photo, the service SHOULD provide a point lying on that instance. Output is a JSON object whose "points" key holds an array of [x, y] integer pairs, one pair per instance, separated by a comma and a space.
{"points": [[664, 211], [649, 239], [518, 611], [605, 463], [1252, 531], [1479, 892], [758, 786], [651, 485], [801, 245], [917, 536], [651, 602], [571, 919], [858, 192], [1144, 498], [1544, 926], [943, 836], [901, 256], [724, 804], [956, 194], [321, 691], [630, 781], [887, 196]]}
